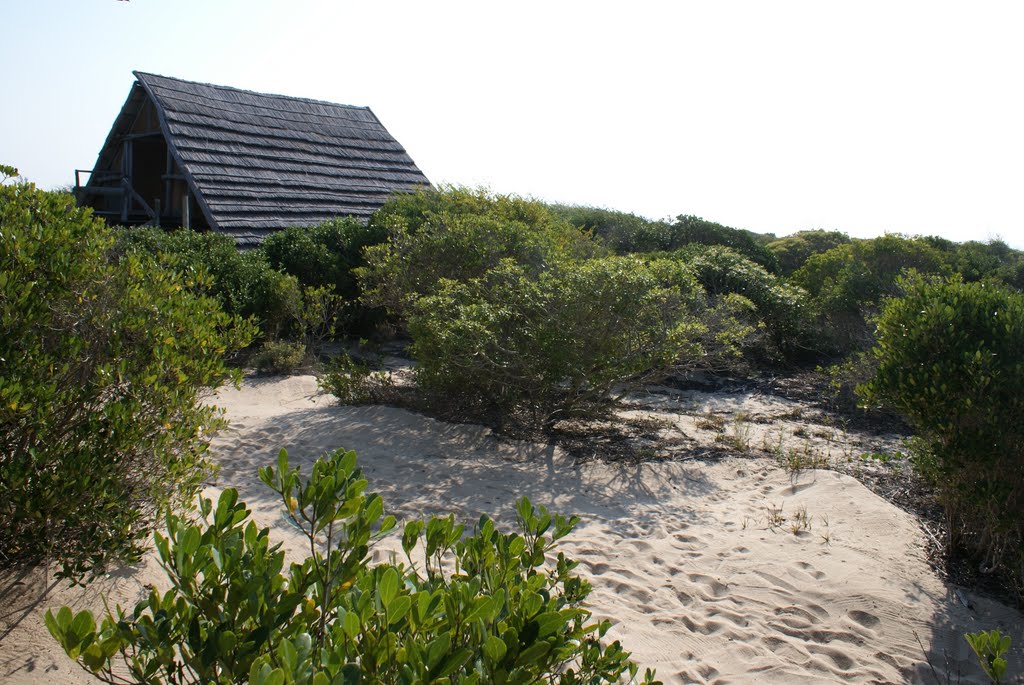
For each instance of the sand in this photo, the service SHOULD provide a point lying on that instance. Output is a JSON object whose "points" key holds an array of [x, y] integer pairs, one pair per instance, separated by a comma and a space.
{"points": [[729, 571]]}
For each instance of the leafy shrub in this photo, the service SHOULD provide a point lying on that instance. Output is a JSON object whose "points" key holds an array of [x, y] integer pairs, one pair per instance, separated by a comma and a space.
{"points": [[993, 261], [320, 316], [782, 308], [323, 255], [279, 357], [273, 299], [326, 256], [848, 283], [458, 234], [793, 250], [951, 361], [243, 283], [549, 346], [687, 230], [101, 364], [354, 383], [622, 232], [500, 613]]}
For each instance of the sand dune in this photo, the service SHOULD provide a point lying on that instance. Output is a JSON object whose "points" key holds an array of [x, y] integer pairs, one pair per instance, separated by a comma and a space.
{"points": [[726, 572]]}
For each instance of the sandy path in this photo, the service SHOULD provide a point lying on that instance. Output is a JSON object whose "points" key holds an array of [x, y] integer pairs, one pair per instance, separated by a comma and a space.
{"points": [[714, 573]]}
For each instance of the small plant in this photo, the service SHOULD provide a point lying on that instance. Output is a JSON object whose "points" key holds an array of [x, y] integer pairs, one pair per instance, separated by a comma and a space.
{"points": [[353, 382], [320, 316], [776, 447], [800, 521], [826, 535], [990, 646], [712, 422], [739, 437], [484, 608], [776, 519], [797, 460], [279, 357]]}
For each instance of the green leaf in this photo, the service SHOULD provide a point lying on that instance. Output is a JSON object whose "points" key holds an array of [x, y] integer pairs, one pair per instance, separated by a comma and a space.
{"points": [[494, 648], [388, 586]]}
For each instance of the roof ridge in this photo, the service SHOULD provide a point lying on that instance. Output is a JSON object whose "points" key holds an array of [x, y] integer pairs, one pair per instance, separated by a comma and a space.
{"points": [[141, 74]]}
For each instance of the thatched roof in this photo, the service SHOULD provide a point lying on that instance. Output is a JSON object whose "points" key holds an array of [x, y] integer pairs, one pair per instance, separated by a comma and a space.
{"points": [[258, 162]]}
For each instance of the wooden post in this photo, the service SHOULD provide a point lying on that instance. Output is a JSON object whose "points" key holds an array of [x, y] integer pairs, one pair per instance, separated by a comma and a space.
{"points": [[186, 219], [126, 173], [167, 177]]}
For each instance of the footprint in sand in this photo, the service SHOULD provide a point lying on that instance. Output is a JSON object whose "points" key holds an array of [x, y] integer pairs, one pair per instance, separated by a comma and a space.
{"points": [[715, 588], [810, 570], [863, 618]]}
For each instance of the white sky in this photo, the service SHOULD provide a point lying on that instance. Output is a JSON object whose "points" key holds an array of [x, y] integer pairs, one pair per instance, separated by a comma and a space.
{"points": [[773, 116]]}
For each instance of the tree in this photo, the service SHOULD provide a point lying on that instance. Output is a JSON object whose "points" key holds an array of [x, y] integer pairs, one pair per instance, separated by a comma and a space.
{"points": [[102, 360]]}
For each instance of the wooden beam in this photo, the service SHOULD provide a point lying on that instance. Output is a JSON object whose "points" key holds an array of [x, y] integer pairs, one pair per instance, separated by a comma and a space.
{"points": [[126, 176], [138, 198], [145, 134]]}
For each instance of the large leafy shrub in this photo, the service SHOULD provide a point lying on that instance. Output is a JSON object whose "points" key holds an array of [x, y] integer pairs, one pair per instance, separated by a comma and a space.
{"points": [[793, 250], [244, 283], [324, 254], [459, 234], [951, 361], [101, 364], [848, 284], [688, 230], [780, 307], [622, 232], [484, 608], [550, 345]]}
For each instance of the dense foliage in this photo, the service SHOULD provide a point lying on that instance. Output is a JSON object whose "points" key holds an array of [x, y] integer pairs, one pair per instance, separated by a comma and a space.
{"points": [[326, 256], [781, 309], [623, 233], [849, 282], [457, 234], [101, 364], [793, 250], [482, 608], [514, 311], [549, 345], [951, 360], [242, 282], [994, 261], [687, 230]]}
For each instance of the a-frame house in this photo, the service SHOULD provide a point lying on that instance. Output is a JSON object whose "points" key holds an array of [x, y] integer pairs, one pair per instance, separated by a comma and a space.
{"points": [[241, 163]]}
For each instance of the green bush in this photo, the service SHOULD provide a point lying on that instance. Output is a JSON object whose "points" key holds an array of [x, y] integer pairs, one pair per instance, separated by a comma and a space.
{"points": [[253, 289], [622, 232], [244, 283], [848, 284], [782, 308], [794, 250], [458, 234], [951, 361], [353, 382], [689, 230], [101, 364], [279, 357], [549, 346], [482, 608], [326, 256], [993, 261]]}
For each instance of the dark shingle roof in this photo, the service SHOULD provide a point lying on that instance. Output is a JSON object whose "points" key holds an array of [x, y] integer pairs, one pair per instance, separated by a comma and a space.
{"points": [[259, 162]]}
